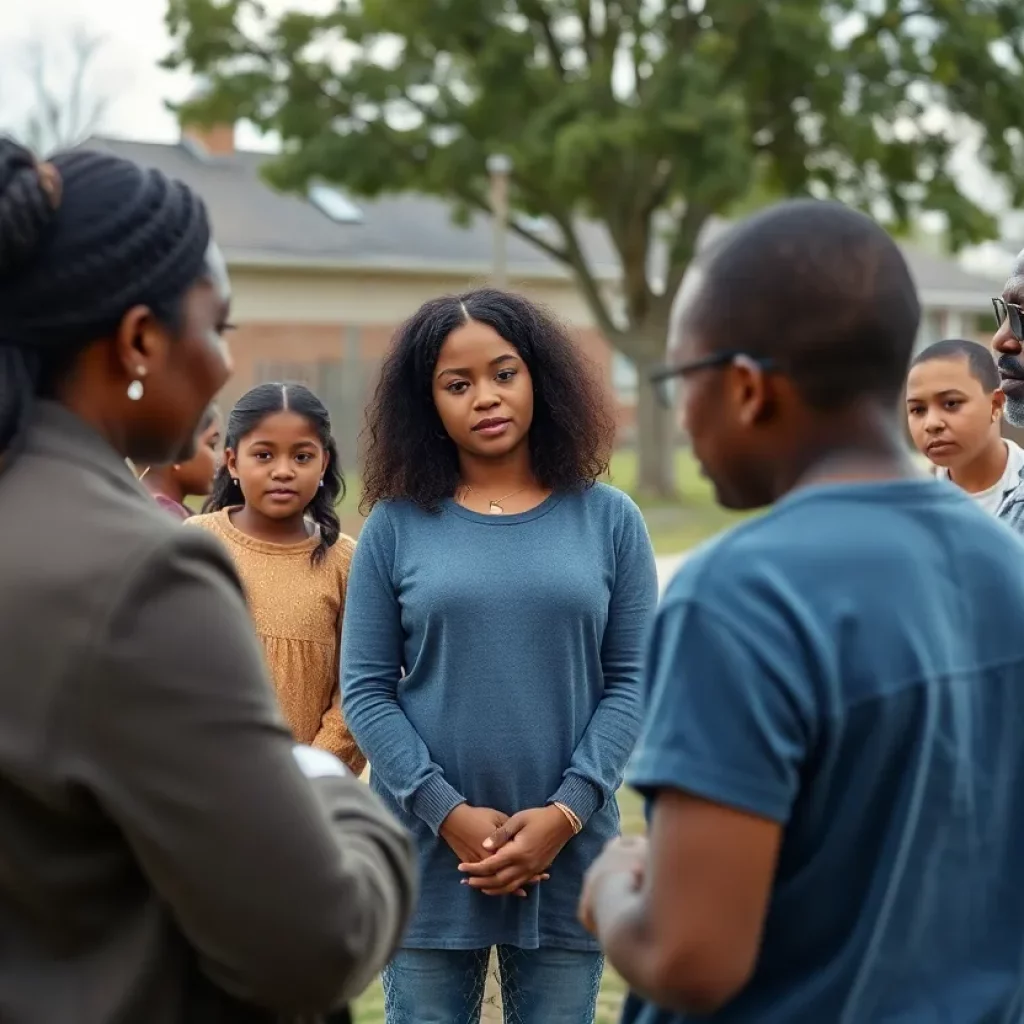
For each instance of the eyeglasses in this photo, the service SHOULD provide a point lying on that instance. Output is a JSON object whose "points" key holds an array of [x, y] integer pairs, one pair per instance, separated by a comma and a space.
{"points": [[1011, 311], [665, 379]]}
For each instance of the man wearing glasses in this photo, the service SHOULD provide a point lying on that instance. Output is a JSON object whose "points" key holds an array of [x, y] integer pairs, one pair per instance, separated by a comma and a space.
{"points": [[833, 747], [1008, 346]]}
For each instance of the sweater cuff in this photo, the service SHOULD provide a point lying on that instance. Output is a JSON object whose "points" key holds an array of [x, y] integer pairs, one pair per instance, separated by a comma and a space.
{"points": [[579, 795], [435, 800]]}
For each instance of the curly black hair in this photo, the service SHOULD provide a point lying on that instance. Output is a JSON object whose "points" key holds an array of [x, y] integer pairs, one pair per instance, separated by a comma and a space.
{"points": [[249, 412], [406, 452]]}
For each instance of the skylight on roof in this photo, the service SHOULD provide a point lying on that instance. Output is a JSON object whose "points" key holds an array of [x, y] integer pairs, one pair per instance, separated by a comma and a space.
{"points": [[330, 202], [538, 224]]}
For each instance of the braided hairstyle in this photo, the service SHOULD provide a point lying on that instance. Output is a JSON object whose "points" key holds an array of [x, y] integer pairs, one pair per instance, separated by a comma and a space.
{"points": [[83, 238], [249, 412]]}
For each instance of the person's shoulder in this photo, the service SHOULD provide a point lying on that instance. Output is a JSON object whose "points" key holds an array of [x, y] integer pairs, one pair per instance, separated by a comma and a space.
{"points": [[213, 522], [603, 493], [175, 560], [102, 540], [344, 546], [339, 554], [380, 529], [394, 514], [190, 546], [1016, 456], [1011, 511], [607, 499], [706, 567], [746, 563]]}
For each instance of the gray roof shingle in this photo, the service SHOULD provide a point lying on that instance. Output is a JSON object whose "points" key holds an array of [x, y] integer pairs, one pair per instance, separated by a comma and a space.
{"points": [[256, 224]]}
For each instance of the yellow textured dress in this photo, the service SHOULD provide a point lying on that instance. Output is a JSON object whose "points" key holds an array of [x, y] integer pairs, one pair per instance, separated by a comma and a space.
{"points": [[297, 609]]}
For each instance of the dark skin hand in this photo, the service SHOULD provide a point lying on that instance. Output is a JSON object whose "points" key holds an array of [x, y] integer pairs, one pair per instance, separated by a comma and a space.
{"points": [[526, 845], [681, 919], [467, 829]]}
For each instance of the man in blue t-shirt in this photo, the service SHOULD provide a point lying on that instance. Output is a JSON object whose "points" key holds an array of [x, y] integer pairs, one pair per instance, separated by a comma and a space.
{"points": [[833, 754]]}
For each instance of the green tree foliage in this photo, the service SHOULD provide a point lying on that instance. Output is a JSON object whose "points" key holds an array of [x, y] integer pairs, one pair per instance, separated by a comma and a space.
{"points": [[648, 117]]}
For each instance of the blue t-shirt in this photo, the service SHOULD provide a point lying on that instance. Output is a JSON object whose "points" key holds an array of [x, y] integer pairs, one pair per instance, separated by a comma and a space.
{"points": [[852, 666], [521, 639]]}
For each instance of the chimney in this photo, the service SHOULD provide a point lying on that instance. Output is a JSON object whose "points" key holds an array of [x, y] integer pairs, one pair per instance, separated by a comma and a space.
{"points": [[216, 140]]}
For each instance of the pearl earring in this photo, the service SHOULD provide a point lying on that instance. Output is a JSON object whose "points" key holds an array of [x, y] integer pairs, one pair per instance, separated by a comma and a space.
{"points": [[321, 483], [136, 389]]}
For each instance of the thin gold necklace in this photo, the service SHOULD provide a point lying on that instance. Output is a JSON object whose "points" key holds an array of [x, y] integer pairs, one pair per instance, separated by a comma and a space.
{"points": [[494, 507]]}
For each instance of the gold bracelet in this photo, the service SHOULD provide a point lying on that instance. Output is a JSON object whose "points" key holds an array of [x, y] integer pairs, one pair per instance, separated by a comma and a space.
{"points": [[570, 814]]}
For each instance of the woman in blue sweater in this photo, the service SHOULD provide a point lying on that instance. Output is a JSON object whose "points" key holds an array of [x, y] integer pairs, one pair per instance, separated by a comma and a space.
{"points": [[493, 636]]}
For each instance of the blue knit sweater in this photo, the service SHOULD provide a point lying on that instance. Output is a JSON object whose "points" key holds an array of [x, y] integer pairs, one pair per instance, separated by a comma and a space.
{"points": [[497, 660]]}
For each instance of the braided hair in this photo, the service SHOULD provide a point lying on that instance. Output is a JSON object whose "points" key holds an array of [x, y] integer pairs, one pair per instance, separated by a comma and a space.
{"points": [[249, 412], [83, 238]]}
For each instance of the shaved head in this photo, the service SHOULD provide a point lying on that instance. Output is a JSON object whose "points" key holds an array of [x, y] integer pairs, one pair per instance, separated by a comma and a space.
{"points": [[819, 289], [790, 339]]}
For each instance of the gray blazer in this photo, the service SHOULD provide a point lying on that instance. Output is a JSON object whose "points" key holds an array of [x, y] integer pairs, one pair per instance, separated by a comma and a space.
{"points": [[163, 859]]}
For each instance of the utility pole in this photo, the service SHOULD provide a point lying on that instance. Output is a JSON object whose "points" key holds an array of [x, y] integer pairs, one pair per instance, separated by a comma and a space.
{"points": [[499, 167]]}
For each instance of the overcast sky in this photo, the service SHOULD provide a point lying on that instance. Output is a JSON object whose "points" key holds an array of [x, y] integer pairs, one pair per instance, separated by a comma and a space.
{"points": [[125, 70]]}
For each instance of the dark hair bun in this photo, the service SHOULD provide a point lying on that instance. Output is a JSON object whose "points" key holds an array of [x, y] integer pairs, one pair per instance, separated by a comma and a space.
{"points": [[29, 195]]}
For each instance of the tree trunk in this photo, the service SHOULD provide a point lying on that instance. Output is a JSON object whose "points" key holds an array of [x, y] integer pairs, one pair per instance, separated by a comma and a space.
{"points": [[655, 439]]}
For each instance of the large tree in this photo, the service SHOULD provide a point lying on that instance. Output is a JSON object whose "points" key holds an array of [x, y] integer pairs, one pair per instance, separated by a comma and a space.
{"points": [[648, 117]]}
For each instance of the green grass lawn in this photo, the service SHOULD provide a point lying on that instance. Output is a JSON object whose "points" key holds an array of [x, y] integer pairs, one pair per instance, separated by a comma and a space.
{"points": [[370, 1009]]}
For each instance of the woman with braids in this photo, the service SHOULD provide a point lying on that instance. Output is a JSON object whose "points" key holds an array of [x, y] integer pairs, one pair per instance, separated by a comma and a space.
{"points": [[169, 855], [273, 507], [494, 629]]}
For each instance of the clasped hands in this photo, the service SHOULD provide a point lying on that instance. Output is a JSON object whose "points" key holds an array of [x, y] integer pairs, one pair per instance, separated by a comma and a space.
{"points": [[501, 855]]}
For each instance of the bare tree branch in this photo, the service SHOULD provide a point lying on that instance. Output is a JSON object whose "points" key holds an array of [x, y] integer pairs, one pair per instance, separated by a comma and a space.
{"points": [[82, 124], [556, 252], [478, 202], [63, 111]]}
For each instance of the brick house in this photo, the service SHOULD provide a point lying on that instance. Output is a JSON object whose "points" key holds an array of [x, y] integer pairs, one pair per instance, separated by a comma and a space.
{"points": [[320, 282]]}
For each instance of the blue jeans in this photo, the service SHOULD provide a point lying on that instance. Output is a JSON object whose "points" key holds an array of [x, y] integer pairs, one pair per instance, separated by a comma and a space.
{"points": [[446, 986]]}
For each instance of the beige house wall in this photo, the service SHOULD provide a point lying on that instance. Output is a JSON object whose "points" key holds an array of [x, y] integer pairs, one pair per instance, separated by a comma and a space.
{"points": [[304, 296], [313, 318]]}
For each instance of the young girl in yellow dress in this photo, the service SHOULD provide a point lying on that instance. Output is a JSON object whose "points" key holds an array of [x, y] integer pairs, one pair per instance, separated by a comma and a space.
{"points": [[273, 506]]}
